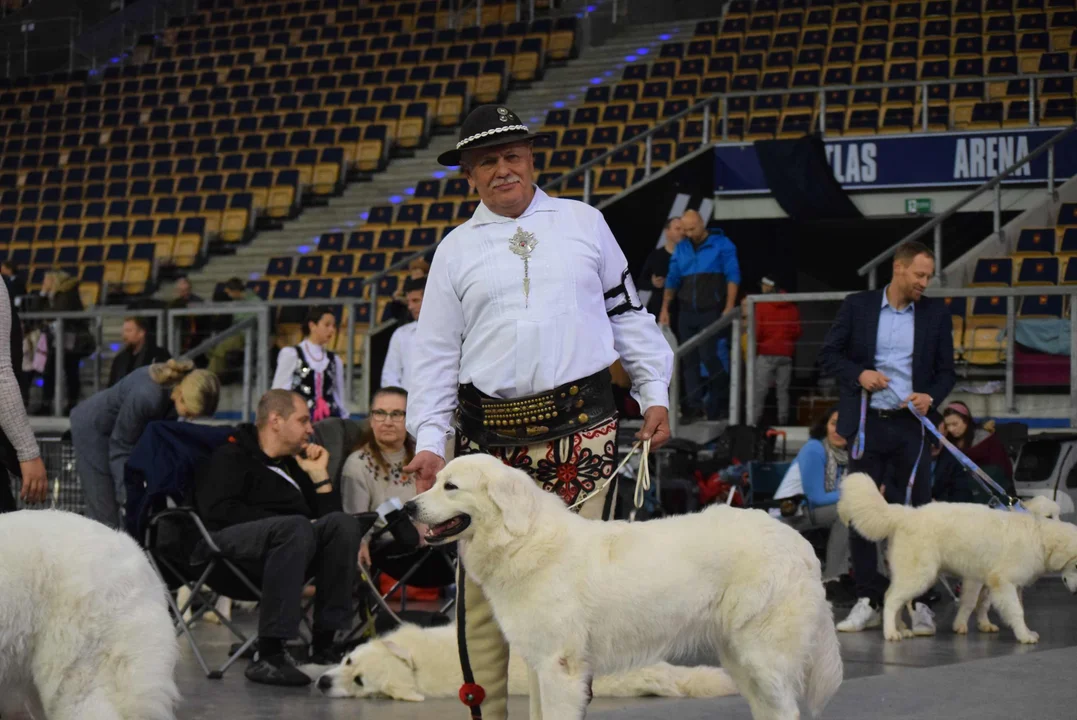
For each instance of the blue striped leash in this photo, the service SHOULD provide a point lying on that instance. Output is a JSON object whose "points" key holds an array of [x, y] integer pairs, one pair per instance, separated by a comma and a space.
{"points": [[988, 484]]}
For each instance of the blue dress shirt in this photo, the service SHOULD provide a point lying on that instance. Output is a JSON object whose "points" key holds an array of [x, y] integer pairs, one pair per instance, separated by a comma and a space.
{"points": [[893, 354]]}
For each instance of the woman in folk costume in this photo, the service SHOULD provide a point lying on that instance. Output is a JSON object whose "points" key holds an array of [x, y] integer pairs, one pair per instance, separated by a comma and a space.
{"points": [[527, 305], [312, 370]]}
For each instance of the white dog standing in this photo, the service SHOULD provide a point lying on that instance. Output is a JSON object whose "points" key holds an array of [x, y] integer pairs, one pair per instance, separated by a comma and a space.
{"points": [[85, 632], [1000, 549], [414, 663], [578, 598]]}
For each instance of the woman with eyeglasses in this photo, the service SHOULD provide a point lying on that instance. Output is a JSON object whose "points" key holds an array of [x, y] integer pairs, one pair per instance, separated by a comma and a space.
{"points": [[374, 472]]}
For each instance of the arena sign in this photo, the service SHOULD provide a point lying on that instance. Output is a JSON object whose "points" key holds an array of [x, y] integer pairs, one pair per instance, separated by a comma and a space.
{"points": [[910, 161]]}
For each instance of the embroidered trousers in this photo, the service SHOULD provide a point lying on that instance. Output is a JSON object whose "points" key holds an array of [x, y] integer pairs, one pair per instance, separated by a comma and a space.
{"points": [[572, 467]]}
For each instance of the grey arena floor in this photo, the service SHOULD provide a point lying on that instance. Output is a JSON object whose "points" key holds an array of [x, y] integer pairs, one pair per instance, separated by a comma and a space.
{"points": [[948, 677]]}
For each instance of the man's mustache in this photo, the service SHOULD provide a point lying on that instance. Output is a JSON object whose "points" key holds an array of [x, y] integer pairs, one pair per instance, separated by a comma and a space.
{"points": [[498, 182]]}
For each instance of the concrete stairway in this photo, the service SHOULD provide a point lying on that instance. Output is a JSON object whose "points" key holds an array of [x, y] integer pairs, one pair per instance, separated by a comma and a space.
{"points": [[565, 84]]}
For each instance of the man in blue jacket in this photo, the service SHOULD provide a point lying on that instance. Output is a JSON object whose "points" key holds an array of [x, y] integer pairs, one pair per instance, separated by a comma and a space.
{"points": [[703, 275]]}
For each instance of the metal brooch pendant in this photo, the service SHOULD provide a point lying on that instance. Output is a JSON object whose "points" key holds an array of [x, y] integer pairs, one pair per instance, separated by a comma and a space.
{"points": [[522, 243]]}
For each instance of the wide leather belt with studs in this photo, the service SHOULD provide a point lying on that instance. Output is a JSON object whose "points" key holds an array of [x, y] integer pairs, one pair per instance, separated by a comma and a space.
{"points": [[570, 408]]}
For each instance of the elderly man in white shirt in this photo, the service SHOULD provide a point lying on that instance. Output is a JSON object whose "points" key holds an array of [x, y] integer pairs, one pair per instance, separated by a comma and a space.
{"points": [[527, 306], [396, 372]]}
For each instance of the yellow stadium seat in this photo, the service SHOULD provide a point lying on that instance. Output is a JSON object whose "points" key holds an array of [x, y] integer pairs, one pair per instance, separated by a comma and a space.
{"points": [[985, 345]]}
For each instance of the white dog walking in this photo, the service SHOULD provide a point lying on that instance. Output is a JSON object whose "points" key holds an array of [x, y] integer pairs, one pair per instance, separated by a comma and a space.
{"points": [[1002, 550], [577, 598], [414, 663], [85, 632]]}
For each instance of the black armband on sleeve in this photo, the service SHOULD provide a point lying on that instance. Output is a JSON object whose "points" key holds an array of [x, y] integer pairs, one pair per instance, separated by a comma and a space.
{"points": [[622, 298]]}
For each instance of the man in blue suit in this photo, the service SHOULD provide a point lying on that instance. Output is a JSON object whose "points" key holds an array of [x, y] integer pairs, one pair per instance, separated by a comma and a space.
{"points": [[896, 345]]}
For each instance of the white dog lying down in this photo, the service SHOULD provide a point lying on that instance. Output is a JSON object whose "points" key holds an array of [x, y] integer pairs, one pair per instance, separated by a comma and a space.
{"points": [[578, 598], [85, 632], [1004, 550], [414, 663]]}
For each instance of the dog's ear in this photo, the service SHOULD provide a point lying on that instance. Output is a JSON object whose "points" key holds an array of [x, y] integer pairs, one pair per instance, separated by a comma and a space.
{"points": [[513, 498], [400, 652], [1060, 542]]}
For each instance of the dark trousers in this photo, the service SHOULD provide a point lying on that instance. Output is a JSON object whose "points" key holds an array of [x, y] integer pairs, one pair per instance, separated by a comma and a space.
{"points": [[282, 553], [72, 380], [7, 500], [890, 452], [690, 323], [398, 559]]}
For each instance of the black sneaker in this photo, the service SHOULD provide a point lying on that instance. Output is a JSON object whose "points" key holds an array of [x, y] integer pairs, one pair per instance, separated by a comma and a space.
{"points": [[840, 593], [277, 669], [330, 656]]}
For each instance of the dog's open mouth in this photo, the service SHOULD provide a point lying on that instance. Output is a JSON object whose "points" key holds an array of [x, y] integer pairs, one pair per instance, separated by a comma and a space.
{"points": [[444, 532]]}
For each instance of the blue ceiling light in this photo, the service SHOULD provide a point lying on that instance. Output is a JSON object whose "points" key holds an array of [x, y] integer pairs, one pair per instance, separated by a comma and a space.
{"points": [[642, 51], [664, 36], [454, 168], [364, 215], [439, 174], [608, 73], [303, 249], [534, 119], [573, 96], [590, 8], [40, 382], [559, 104], [409, 191], [596, 81], [115, 347], [395, 199], [350, 223], [630, 58]]}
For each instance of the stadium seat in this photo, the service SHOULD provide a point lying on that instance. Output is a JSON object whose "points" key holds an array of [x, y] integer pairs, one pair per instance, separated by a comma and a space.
{"points": [[1037, 271], [993, 272], [1035, 241]]}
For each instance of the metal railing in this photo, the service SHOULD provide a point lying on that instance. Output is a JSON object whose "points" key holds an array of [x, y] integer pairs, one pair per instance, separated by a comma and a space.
{"points": [[469, 12], [871, 267], [257, 346], [119, 32], [707, 334], [722, 98], [247, 327], [647, 137], [97, 316], [256, 350], [1010, 294]]}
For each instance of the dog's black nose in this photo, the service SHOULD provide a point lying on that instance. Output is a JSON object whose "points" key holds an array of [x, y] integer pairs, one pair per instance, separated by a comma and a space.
{"points": [[411, 508], [325, 682]]}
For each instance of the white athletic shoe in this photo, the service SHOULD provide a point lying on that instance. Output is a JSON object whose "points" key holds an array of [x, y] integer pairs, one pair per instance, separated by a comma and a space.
{"points": [[862, 617], [923, 620]]}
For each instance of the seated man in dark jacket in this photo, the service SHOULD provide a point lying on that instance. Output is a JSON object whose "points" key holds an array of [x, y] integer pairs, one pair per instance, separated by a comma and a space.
{"points": [[270, 505]]}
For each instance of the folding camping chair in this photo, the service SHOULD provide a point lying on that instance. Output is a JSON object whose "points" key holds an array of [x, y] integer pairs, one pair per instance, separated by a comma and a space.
{"points": [[445, 562], [170, 540]]}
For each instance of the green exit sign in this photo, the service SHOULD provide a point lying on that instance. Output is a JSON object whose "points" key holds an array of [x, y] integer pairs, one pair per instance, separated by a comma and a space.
{"points": [[917, 206]]}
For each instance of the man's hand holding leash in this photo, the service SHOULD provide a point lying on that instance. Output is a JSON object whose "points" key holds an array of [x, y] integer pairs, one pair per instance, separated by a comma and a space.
{"points": [[655, 427]]}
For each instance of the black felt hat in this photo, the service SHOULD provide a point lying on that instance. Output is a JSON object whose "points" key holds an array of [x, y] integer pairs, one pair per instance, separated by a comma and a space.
{"points": [[485, 126]]}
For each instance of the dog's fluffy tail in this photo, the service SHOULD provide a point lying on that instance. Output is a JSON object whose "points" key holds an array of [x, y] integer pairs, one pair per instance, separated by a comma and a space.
{"points": [[825, 672], [863, 506]]}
